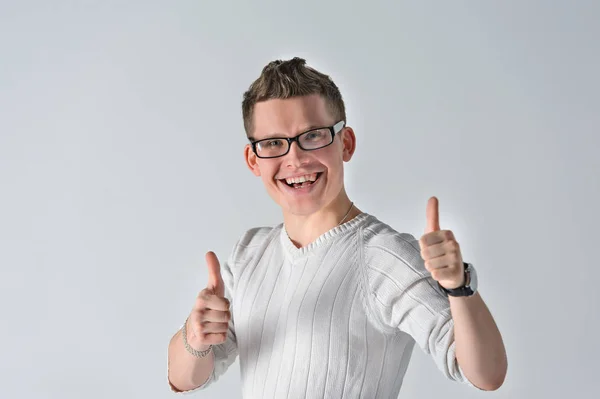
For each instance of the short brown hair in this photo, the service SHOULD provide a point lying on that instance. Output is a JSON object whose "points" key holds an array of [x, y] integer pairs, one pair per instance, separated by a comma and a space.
{"points": [[291, 78]]}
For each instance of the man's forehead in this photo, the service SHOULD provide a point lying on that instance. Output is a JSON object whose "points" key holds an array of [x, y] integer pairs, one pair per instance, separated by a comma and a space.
{"points": [[289, 117]]}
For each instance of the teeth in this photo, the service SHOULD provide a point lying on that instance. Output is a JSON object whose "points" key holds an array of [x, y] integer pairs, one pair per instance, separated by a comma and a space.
{"points": [[301, 179]]}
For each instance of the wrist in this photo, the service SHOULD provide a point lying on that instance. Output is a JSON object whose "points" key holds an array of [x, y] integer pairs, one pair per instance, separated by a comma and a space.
{"points": [[469, 286], [192, 339], [192, 342]]}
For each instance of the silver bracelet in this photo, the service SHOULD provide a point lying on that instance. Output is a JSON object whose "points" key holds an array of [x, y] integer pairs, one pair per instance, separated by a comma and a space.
{"points": [[192, 351]]}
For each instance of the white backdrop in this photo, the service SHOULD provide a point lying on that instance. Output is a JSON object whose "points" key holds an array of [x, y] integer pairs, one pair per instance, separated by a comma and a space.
{"points": [[121, 165]]}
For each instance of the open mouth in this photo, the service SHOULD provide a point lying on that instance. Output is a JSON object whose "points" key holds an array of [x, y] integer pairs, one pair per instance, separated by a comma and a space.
{"points": [[302, 181]]}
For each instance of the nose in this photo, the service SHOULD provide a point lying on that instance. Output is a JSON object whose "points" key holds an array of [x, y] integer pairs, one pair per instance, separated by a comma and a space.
{"points": [[295, 157]]}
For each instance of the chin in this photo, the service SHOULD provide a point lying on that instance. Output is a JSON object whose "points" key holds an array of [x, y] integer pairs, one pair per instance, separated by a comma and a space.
{"points": [[298, 206], [302, 209]]}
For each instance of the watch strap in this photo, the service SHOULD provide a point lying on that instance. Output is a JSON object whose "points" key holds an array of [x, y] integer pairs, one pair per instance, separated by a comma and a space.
{"points": [[464, 290]]}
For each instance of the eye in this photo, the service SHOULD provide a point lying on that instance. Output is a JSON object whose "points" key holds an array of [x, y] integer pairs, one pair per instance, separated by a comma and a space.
{"points": [[275, 143], [315, 135]]}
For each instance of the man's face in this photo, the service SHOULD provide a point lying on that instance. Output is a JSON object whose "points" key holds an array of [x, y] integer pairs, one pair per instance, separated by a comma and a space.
{"points": [[288, 118]]}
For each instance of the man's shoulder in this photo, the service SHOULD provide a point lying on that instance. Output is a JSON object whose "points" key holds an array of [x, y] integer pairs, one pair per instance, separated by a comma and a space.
{"points": [[389, 251], [381, 237], [253, 239]]}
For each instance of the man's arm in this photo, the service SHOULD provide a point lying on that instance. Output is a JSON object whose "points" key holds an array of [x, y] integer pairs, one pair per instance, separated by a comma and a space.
{"points": [[208, 324], [480, 350], [187, 372]]}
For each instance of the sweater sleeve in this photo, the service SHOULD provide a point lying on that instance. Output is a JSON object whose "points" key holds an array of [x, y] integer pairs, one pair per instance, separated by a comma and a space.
{"points": [[225, 353], [404, 297]]}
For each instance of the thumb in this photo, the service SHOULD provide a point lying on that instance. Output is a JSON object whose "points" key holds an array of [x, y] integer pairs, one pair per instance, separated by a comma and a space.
{"points": [[433, 216], [215, 280]]}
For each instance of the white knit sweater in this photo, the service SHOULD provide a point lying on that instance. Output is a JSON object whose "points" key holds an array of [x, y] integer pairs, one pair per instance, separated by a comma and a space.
{"points": [[336, 319]]}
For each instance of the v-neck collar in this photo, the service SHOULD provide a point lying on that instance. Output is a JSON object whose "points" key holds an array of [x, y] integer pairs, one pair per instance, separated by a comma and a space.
{"points": [[294, 253]]}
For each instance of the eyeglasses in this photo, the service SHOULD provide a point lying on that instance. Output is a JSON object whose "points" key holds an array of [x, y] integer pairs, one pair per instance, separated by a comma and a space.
{"points": [[311, 140]]}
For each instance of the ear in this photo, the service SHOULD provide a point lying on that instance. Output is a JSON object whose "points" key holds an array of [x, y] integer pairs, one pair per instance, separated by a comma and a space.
{"points": [[251, 160], [349, 143]]}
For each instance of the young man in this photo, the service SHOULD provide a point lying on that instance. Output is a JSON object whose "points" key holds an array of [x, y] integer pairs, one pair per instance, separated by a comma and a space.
{"points": [[330, 303]]}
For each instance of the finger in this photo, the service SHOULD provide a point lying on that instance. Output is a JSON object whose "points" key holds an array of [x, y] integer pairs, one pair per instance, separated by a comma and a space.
{"points": [[435, 237], [208, 315], [215, 280], [433, 217], [442, 274], [442, 261], [440, 249], [212, 328], [206, 300], [214, 338]]}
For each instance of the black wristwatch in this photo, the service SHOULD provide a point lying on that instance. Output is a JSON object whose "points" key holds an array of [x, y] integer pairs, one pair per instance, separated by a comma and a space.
{"points": [[469, 287]]}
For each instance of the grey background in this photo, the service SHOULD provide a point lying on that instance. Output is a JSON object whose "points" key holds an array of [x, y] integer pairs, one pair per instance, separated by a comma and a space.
{"points": [[121, 165]]}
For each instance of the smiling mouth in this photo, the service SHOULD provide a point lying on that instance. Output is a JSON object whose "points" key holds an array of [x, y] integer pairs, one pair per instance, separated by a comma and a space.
{"points": [[302, 181]]}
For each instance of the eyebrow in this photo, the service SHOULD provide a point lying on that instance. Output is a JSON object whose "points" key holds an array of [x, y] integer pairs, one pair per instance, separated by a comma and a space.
{"points": [[281, 135]]}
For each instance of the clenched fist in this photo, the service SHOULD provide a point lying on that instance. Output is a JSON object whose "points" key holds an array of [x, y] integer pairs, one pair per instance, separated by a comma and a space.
{"points": [[208, 322]]}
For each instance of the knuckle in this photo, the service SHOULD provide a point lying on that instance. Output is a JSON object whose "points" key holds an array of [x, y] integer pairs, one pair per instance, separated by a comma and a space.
{"points": [[200, 302], [208, 339], [202, 313]]}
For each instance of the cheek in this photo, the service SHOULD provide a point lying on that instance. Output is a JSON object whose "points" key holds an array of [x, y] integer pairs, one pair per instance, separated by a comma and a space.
{"points": [[334, 165], [267, 173]]}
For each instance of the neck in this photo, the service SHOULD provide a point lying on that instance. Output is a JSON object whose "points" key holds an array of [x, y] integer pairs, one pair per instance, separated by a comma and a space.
{"points": [[304, 229]]}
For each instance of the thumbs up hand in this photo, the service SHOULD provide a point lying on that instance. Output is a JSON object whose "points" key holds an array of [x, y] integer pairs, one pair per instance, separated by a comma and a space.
{"points": [[208, 322], [440, 251]]}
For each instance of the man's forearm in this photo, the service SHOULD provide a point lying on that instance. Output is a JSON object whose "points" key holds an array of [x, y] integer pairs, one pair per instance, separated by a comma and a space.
{"points": [[187, 372], [480, 350]]}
